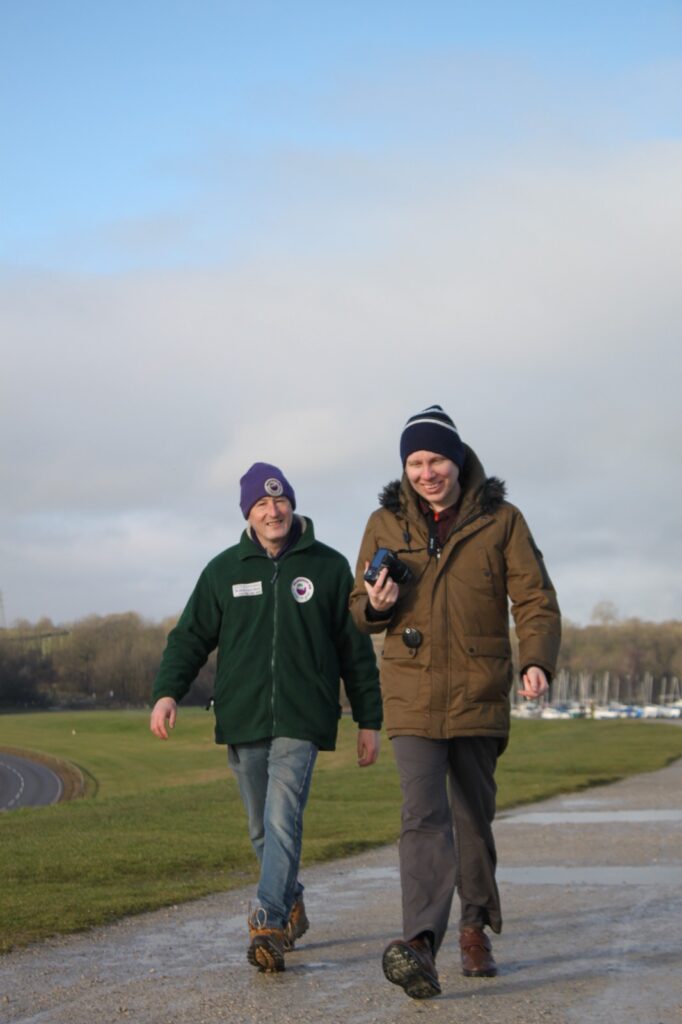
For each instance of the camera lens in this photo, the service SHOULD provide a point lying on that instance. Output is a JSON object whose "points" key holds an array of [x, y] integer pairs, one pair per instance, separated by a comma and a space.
{"points": [[400, 572]]}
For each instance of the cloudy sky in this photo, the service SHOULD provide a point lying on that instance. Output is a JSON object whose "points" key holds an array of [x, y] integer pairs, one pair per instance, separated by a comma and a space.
{"points": [[272, 231]]}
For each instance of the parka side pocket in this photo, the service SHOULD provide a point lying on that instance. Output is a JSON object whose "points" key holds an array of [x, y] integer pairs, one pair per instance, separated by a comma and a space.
{"points": [[489, 675]]}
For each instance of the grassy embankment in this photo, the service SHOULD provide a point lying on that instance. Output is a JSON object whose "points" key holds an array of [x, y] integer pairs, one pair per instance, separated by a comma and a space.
{"points": [[162, 822]]}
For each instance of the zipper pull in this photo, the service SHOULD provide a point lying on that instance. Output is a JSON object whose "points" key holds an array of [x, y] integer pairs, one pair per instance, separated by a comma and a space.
{"points": [[275, 573]]}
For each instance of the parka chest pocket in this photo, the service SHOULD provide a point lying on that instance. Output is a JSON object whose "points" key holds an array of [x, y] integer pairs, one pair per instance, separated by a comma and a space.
{"points": [[486, 568], [395, 649], [475, 568]]}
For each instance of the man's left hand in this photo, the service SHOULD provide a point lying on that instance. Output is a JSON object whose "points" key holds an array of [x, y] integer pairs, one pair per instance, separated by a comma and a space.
{"points": [[368, 747], [534, 683]]}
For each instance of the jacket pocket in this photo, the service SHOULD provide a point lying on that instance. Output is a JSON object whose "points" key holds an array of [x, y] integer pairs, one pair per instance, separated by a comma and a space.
{"points": [[488, 646], [395, 650], [489, 673], [404, 684]]}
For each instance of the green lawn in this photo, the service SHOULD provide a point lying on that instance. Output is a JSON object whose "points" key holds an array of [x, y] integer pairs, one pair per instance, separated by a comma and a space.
{"points": [[162, 822]]}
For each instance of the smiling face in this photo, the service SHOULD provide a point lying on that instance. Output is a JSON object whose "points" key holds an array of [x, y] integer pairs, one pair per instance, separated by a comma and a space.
{"points": [[434, 478], [271, 519]]}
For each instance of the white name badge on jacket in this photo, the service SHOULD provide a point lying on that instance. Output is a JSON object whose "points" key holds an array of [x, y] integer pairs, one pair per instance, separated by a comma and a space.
{"points": [[247, 589]]}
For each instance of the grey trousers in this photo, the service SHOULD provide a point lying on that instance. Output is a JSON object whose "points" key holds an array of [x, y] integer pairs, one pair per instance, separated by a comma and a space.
{"points": [[435, 859]]}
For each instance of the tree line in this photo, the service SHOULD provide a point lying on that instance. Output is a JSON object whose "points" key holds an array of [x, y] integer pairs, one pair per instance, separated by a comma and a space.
{"points": [[98, 661], [628, 662], [110, 661]]}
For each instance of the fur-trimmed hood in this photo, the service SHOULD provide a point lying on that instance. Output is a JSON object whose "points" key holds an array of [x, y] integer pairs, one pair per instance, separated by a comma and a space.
{"points": [[492, 494], [478, 491]]}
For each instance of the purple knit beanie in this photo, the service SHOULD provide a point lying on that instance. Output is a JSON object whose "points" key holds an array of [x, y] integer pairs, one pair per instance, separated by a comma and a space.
{"points": [[432, 430], [263, 481]]}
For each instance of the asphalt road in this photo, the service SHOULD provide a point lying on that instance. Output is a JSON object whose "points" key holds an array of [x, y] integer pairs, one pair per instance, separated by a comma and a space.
{"points": [[25, 783], [591, 887]]}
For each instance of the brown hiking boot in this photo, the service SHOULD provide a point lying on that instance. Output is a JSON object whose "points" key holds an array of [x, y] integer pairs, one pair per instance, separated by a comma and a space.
{"points": [[266, 945], [297, 925], [411, 965], [477, 957]]}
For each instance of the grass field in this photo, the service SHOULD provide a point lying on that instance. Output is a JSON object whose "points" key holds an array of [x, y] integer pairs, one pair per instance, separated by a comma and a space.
{"points": [[162, 822]]}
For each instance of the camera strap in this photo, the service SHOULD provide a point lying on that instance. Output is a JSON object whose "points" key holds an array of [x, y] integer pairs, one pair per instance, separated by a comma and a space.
{"points": [[434, 543]]}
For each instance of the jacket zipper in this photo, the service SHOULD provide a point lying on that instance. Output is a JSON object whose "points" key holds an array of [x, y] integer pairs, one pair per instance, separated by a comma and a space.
{"points": [[438, 552], [273, 659], [459, 527]]}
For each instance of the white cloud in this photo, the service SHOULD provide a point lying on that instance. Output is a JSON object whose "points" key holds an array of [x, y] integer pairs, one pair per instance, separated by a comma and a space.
{"points": [[539, 300]]}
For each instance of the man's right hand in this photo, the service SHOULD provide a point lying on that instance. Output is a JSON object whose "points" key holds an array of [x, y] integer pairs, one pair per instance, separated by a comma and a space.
{"points": [[164, 713], [384, 593]]}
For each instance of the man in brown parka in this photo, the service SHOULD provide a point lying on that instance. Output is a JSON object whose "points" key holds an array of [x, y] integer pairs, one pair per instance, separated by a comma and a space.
{"points": [[446, 676]]}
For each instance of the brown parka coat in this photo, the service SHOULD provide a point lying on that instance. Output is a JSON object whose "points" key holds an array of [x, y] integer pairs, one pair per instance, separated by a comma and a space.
{"points": [[457, 681]]}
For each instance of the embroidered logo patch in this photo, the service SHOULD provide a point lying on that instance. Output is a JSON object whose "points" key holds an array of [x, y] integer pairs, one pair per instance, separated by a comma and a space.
{"points": [[273, 487], [302, 589], [247, 589]]}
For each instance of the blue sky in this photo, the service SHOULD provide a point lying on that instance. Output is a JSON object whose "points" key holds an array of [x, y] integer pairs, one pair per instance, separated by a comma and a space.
{"points": [[117, 113], [273, 231]]}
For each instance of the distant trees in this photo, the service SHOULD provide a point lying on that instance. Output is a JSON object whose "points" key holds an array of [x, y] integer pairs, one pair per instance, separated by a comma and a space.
{"points": [[624, 660], [627, 648], [25, 676], [111, 660], [99, 661]]}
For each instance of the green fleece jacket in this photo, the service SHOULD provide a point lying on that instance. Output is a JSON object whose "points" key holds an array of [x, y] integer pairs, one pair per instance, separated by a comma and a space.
{"points": [[285, 638]]}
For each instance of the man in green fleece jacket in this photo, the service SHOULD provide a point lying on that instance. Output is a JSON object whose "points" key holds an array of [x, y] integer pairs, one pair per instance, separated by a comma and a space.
{"points": [[276, 607]]}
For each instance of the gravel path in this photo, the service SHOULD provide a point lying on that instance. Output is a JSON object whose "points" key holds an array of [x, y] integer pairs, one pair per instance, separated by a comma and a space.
{"points": [[591, 888]]}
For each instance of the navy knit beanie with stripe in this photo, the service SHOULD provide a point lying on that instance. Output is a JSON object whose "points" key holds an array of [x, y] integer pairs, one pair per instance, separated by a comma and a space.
{"points": [[432, 430]]}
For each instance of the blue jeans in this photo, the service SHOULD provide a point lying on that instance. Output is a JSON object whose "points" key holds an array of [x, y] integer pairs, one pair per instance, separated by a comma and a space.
{"points": [[274, 781]]}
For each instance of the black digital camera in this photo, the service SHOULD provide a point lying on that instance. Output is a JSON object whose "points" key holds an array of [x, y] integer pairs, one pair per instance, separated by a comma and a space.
{"points": [[387, 559]]}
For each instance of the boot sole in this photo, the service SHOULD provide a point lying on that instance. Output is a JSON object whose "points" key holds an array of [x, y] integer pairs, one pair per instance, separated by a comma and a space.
{"points": [[402, 968], [265, 956]]}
